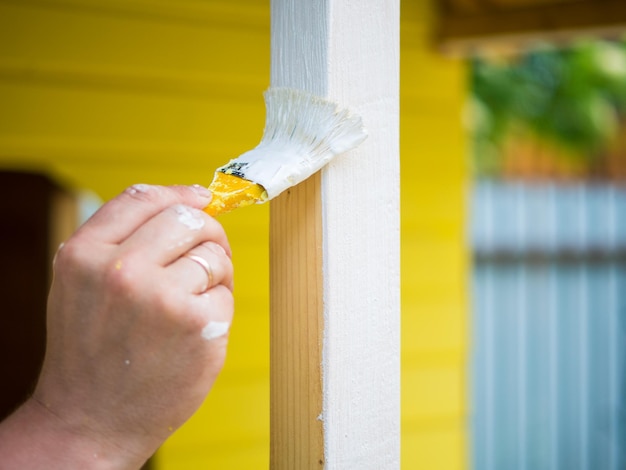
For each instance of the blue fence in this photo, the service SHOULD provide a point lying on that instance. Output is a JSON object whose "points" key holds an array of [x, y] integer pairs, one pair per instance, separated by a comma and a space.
{"points": [[549, 327]]}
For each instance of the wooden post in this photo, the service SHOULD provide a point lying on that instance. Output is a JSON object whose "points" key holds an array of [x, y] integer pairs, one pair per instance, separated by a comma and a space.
{"points": [[335, 303]]}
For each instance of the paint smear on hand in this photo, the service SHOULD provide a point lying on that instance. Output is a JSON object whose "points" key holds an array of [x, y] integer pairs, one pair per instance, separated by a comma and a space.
{"points": [[187, 217], [215, 329]]}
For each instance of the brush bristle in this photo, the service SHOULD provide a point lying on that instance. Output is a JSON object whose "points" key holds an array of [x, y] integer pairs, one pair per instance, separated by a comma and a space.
{"points": [[302, 133], [319, 127]]}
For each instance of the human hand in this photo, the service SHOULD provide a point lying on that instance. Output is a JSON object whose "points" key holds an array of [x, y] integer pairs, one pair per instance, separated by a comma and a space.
{"points": [[137, 330]]}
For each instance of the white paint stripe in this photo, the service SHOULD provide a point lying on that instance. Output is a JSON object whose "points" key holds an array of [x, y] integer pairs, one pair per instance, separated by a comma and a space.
{"points": [[348, 51]]}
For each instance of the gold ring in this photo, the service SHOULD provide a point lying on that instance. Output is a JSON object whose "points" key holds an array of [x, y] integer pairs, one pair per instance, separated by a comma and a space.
{"points": [[204, 265]]}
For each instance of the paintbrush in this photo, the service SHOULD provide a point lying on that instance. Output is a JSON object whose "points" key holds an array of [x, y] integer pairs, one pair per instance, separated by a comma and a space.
{"points": [[303, 132]]}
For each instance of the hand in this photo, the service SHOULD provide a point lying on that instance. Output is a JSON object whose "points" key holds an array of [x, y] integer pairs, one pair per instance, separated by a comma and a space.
{"points": [[137, 329]]}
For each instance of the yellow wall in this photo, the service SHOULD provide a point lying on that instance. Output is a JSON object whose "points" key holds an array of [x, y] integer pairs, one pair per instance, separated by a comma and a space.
{"points": [[434, 177], [105, 93]]}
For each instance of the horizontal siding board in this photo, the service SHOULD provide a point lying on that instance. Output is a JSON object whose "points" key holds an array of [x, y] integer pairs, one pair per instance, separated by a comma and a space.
{"points": [[131, 41], [116, 117], [440, 448]]}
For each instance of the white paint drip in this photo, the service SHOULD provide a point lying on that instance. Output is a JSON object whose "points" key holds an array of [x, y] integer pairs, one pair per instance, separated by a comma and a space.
{"points": [[187, 217], [215, 329]]}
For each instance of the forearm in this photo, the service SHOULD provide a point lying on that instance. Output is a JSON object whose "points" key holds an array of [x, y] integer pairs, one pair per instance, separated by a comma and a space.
{"points": [[33, 438]]}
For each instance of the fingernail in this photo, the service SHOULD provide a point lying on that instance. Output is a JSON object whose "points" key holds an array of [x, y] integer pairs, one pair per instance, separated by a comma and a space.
{"points": [[141, 188], [201, 190]]}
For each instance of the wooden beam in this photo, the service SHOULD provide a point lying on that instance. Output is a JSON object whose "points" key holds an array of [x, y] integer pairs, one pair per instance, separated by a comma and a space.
{"points": [[334, 250], [466, 33]]}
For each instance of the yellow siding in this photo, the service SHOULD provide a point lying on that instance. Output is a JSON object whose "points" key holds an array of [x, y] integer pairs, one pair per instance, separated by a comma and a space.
{"points": [[105, 93], [108, 93], [434, 256]]}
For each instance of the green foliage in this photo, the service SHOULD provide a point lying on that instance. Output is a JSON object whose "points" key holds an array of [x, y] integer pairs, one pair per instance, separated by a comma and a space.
{"points": [[571, 97]]}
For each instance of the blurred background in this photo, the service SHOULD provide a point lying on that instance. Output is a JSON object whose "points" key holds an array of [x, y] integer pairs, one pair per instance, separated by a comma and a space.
{"points": [[548, 237], [513, 208]]}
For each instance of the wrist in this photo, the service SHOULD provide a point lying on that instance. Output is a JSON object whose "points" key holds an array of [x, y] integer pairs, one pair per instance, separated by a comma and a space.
{"points": [[35, 438]]}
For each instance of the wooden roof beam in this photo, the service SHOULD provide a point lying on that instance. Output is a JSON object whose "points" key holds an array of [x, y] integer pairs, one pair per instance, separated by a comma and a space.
{"points": [[469, 32]]}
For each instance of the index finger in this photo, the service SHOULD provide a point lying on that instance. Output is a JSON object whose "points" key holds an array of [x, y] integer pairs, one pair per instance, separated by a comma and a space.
{"points": [[116, 220]]}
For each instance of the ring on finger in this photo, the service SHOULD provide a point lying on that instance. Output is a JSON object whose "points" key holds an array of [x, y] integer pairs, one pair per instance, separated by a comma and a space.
{"points": [[204, 265]]}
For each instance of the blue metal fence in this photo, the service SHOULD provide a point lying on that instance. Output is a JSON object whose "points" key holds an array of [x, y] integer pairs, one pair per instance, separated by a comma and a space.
{"points": [[549, 339]]}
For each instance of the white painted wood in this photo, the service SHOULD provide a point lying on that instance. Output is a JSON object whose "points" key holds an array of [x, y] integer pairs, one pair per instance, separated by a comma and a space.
{"points": [[348, 50]]}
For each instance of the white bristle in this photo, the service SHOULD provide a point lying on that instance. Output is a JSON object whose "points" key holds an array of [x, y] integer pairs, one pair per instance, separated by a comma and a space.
{"points": [[295, 117], [302, 133]]}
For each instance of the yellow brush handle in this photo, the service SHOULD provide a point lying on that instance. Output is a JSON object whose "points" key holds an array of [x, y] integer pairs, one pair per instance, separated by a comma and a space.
{"points": [[231, 192]]}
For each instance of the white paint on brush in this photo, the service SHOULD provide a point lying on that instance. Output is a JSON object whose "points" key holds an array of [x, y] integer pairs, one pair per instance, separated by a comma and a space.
{"points": [[348, 51], [303, 132], [190, 218], [215, 329]]}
